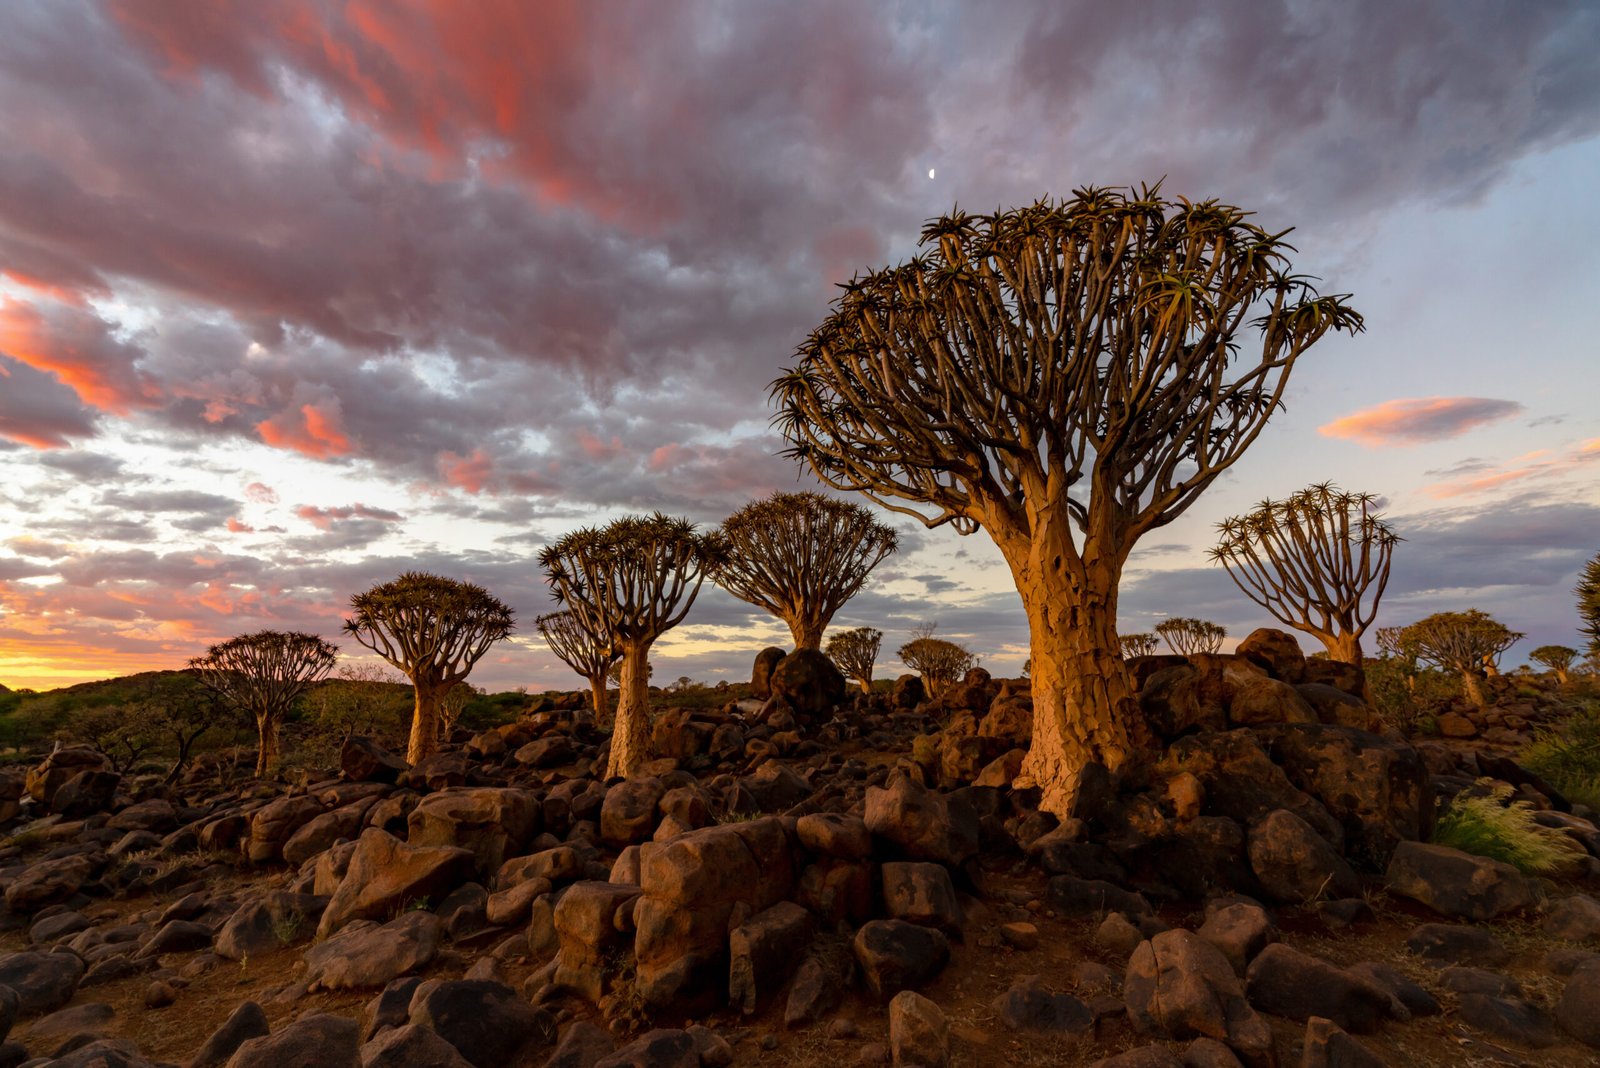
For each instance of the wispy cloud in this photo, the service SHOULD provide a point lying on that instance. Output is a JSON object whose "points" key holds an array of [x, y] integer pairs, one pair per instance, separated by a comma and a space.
{"points": [[1417, 420], [1540, 464]]}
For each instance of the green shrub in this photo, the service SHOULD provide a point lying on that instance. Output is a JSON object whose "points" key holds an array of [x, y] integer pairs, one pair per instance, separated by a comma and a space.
{"points": [[1491, 825], [1568, 757]]}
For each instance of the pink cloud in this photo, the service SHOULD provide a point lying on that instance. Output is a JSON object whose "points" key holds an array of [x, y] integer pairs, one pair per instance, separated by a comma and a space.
{"points": [[471, 473], [313, 431], [1418, 420], [325, 518], [261, 493], [596, 449], [1539, 464], [236, 526]]}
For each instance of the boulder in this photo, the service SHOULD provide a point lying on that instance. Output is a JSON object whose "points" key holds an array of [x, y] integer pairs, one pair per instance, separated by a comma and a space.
{"points": [[488, 1023], [45, 778], [363, 760], [1375, 787], [582, 1045], [761, 672], [1009, 720], [1180, 986], [43, 982], [1578, 1011], [274, 823], [318, 834], [1453, 943], [386, 875], [366, 954], [773, 787], [894, 955], [762, 952], [809, 683], [818, 986], [1412, 998], [45, 882], [1240, 931], [551, 751], [1573, 919], [1254, 700], [1028, 1005], [1275, 650], [313, 1041], [1286, 982], [1508, 1018], [835, 834], [630, 812], [492, 823], [1241, 783], [1456, 884], [247, 1021], [1294, 864], [588, 935], [919, 1034], [1180, 700], [1327, 1046], [1332, 705], [923, 824], [411, 1046], [922, 893], [691, 886]]}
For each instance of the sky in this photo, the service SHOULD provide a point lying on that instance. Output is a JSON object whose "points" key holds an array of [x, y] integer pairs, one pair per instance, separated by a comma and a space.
{"points": [[298, 295]]}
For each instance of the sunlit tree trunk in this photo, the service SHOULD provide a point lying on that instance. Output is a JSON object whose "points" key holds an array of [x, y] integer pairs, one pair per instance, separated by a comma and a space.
{"points": [[1083, 705], [807, 633], [630, 735], [424, 722], [597, 695], [1474, 689], [1345, 648], [267, 734]]}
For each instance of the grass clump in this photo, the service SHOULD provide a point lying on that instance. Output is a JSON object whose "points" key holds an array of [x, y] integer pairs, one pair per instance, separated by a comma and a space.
{"points": [[1568, 757], [1492, 825]]}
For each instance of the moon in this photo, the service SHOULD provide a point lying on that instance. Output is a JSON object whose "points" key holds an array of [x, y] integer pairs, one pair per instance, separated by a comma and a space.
{"points": [[930, 173]]}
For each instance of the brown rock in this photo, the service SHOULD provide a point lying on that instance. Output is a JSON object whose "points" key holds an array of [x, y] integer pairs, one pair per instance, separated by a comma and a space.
{"points": [[386, 875]]}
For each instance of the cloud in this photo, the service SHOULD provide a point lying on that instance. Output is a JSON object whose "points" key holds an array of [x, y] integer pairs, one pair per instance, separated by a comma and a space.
{"points": [[37, 410], [1540, 464], [1418, 420], [325, 518]]}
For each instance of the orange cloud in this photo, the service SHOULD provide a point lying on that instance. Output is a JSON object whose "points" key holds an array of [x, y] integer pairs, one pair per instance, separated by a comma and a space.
{"points": [[76, 347], [1417, 420], [1541, 463], [236, 526], [471, 473], [315, 433], [325, 518]]}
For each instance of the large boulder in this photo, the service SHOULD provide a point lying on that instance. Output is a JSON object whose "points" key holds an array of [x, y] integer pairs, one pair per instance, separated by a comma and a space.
{"points": [[631, 811], [1241, 782], [272, 921], [48, 776], [894, 955], [46, 882], [1578, 1011], [1375, 787], [809, 683], [86, 793], [275, 823], [363, 760], [43, 982], [1287, 982], [919, 892], [921, 823], [493, 823], [919, 1034], [761, 672], [588, 935], [312, 1041], [247, 1021], [762, 953], [366, 954], [1180, 986], [1277, 651], [1294, 863], [487, 1022], [1457, 884], [386, 875], [691, 885]]}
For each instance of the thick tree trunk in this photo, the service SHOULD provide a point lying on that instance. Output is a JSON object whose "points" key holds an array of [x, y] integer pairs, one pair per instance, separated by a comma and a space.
{"points": [[424, 722], [630, 735], [597, 696], [1083, 706], [1561, 676], [267, 735], [807, 633], [1345, 648], [1473, 687], [866, 685]]}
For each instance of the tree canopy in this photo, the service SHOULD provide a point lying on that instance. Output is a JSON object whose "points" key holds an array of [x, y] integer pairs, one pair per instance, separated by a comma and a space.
{"points": [[262, 674], [1463, 642], [1187, 636]]}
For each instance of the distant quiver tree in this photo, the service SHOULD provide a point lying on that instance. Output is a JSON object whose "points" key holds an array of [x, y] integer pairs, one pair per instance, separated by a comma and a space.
{"points": [[432, 630], [801, 556], [1557, 658], [1467, 643], [1186, 636], [1137, 645], [261, 675], [1068, 377], [855, 652], [1317, 561], [937, 661], [590, 655], [631, 581]]}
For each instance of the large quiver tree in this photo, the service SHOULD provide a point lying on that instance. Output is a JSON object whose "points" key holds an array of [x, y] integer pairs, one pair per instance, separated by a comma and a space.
{"points": [[631, 581], [590, 655], [1068, 377], [801, 556], [433, 630], [261, 675], [1469, 643], [1317, 561]]}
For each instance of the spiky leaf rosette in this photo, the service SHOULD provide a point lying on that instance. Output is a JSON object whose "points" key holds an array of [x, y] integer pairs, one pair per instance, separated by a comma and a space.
{"points": [[590, 655]]}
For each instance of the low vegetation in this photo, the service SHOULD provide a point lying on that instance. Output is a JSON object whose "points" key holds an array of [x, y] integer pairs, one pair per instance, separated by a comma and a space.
{"points": [[1492, 825]]}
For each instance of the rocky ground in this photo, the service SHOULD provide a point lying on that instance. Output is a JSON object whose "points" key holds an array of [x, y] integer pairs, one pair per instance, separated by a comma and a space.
{"points": [[805, 878]]}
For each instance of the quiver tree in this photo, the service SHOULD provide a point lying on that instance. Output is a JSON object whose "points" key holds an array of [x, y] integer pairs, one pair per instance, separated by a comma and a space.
{"points": [[1068, 377], [939, 662], [855, 652], [631, 581], [452, 704], [1318, 562], [588, 654], [432, 630], [261, 675], [1464, 642], [1137, 645], [1557, 658], [1588, 594], [1186, 636], [801, 556]]}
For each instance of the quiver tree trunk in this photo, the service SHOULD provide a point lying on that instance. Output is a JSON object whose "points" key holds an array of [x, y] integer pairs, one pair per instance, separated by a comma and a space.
{"points": [[1472, 686], [597, 697], [807, 632], [267, 736], [630, 734], [424, 722], [1345, 648]]}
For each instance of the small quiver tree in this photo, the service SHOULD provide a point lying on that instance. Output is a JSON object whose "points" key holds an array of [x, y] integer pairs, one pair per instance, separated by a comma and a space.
{"points": [[939, 662], [1186, 636], [1318, 562], [1068, 377], [1137, 645], [1463, 642], [1557, 658], [590, 655], [262, 675], [432, 630], [631, 581], [452, 704], [855, 652], [801, 556]]}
